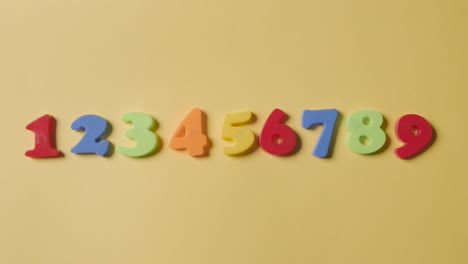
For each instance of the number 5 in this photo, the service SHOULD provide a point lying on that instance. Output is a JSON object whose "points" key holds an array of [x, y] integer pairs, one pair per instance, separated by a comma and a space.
{"points": [[243, 138]]}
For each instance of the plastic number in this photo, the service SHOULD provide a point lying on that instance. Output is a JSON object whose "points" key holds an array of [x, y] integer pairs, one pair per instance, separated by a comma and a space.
{"points": [[147, 142], [366, 135], [44, 145], [277, 138], [95, 128], [243, 138], [415, 132], [191, 134], [326, 117]]}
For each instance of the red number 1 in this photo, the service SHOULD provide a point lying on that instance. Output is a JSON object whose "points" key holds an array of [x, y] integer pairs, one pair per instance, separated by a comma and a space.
{"points": [[44, 130]]}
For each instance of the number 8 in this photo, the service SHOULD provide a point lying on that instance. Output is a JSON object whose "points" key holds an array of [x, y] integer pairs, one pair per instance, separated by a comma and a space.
{"points": [[366, 135]]}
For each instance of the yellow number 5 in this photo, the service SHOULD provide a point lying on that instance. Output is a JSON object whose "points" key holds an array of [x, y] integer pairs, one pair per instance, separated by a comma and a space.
{"points": [[243, 138]]}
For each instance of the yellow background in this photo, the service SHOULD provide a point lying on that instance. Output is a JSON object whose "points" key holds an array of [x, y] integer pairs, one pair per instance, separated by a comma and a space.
{"points": [[69, 58]]}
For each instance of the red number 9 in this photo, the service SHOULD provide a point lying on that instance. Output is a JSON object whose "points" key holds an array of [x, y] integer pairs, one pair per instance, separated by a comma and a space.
{"points": [[415, 132]]}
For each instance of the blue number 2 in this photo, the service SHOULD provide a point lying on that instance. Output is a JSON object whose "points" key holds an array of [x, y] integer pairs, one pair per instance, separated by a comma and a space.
{"points": [[93, 141], [326, 117]]}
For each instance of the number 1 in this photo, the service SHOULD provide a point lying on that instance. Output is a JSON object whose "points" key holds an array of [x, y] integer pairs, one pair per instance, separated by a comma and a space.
{"points": [[44, 130], [326, 117]]}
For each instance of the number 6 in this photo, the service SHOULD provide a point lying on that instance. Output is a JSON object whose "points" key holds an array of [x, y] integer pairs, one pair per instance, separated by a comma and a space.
{"points": [[278, 138]]}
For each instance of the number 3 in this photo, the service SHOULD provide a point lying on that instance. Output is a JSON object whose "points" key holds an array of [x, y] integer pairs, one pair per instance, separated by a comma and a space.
{"points": [[147, 142]]}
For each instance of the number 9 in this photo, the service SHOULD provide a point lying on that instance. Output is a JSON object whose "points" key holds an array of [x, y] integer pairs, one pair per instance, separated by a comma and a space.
{"points": [[415, 132]]}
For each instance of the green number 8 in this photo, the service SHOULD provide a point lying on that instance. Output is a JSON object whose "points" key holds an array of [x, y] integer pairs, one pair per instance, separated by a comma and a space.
{"points": [[366, 135]]}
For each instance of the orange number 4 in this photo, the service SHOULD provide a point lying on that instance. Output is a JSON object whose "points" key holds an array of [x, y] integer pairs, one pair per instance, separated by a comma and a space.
{"points": [[191, 134]]}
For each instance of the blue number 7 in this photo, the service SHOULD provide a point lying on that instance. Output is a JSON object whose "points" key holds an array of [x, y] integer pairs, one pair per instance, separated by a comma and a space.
{"points": [[325, 117]]}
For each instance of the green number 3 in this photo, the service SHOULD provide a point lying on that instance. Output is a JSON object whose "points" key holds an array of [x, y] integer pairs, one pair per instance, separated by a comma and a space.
{"points": [[366, 135], [142, 132]]}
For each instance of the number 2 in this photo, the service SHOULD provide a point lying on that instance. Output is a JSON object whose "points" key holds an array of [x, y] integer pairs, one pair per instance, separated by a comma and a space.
{"points": [[147, 142], [93, 141], [326, 117]]}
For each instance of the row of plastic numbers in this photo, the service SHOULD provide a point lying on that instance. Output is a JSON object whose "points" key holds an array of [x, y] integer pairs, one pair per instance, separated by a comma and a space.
{"points": [[366, 135]]}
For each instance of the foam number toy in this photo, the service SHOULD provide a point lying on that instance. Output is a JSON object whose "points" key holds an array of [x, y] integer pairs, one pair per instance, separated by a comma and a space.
{"points": [[365, 133], [326, 117], [278, 138], [93, 141], [44, 131], [415, 132], [242, 137], [191, 134], [142, 132]]}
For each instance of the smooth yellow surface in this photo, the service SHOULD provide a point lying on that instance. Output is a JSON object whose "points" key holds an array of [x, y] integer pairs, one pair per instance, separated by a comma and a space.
{"points": [[74, 57]]}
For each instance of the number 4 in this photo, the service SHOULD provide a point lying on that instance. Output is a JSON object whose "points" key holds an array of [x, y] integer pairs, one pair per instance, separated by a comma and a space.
{"points": [[191, 134], [326, 117]]}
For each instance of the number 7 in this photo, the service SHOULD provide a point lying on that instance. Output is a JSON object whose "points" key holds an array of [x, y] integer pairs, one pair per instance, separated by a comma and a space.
{"points": [[326, 117]]}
